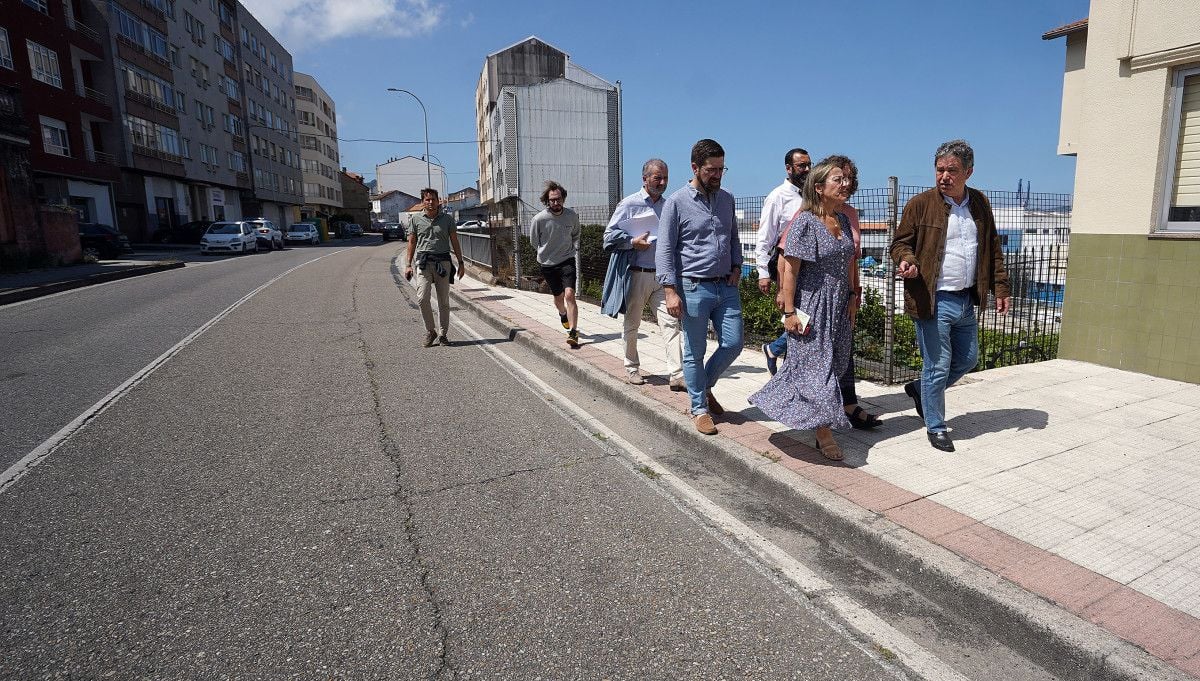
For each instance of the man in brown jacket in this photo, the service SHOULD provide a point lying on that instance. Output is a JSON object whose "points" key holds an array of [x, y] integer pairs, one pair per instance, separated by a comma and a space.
{"points": [[948, 252]]}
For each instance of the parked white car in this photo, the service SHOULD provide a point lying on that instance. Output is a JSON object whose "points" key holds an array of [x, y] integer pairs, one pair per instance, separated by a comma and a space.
{"points": [[268, 234], [229, 237], [303, 232]]}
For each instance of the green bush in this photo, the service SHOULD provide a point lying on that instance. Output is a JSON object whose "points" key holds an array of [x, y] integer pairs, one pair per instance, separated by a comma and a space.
{"points": [[869, 333], [759, 314]]}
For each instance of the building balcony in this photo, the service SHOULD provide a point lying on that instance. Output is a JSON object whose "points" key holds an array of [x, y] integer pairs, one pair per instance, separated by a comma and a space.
{"points": [[100, 157], [159, 154], [157, 6], [138, 48], [94, 95], [149, 101], [85, 30]]}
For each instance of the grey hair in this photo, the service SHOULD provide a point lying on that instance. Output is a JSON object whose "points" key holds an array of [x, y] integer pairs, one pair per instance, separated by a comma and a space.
{"points": [[651, 163], [959, 149]]}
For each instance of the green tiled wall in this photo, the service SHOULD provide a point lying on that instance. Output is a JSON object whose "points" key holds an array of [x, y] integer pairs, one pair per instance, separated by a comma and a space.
{"points": [[1132, 303]]}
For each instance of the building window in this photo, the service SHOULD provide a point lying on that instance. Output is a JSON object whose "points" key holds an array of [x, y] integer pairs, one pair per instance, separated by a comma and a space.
{"points": [[43, 64], [39, 5], [54, 137], [1183, 172], [5, 50]]}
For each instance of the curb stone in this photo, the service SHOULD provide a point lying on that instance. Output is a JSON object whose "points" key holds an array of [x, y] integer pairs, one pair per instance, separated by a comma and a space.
{"points": [[17, 295], [1053, 638]]}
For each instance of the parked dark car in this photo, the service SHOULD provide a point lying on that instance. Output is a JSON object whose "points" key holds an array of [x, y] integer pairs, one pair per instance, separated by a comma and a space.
{"points": [[187, 233], [392, 230], [102, 241]]}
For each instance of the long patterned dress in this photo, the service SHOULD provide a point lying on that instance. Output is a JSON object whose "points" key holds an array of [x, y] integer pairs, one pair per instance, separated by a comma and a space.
{"points": [[805, 393]]}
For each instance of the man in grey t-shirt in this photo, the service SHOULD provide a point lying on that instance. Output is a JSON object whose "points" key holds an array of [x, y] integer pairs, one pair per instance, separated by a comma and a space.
{"points": [[554, 232], [431, 234]]}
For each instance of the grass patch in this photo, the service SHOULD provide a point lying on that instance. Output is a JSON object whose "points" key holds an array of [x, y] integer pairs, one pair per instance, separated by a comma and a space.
{"points": [[648, 472]]}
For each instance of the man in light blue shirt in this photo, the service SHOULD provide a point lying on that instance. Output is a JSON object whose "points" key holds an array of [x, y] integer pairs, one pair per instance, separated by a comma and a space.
{"points": [[699, 263], [634, 227]]}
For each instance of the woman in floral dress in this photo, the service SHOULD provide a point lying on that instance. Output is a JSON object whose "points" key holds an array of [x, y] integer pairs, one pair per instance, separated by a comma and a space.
{"points": [[815, 281]]}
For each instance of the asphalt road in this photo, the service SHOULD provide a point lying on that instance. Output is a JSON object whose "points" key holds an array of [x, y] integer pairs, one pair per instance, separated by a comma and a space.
{"points": [[304, 491]]}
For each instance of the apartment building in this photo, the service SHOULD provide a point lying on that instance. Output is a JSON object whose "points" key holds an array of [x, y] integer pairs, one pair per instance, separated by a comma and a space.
{"points": [[52, 61], [272, 131], [317, 116], [1131, 116], [540, 116], [204, 59], [410, 174], [356, 199], [151, 194]]}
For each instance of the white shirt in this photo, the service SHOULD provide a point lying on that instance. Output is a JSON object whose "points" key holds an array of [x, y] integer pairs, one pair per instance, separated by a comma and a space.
{"points": [[962, 247], [635, 215], [778, 209]]}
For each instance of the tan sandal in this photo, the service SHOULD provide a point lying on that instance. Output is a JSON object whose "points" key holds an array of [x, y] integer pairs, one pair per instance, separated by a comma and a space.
{"points": [[830, 451]]}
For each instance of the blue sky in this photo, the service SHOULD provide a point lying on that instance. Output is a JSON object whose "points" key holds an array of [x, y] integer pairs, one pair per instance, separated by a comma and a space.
{"points": [[882, 82]]}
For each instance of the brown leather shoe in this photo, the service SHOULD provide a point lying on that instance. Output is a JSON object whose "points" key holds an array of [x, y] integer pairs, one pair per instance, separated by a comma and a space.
{"points": [[714, 407], [704, 424], [677, 385]]}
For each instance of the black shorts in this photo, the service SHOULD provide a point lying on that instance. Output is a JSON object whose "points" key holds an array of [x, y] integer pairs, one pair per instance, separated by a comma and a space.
{"points": [[560, 277]]}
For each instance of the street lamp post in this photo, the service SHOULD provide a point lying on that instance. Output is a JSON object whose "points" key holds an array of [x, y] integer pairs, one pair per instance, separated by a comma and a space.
{"points": [[428, 172], [443, 167]]}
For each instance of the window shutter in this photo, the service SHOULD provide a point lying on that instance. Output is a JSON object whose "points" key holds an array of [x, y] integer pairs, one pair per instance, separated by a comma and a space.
{"points": [[1187, 164]]}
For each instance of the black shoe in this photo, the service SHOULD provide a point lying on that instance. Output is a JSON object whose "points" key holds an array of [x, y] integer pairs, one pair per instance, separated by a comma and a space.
{"points": [[941, 441], [563, 318], [442, 340], [913, 390], [772, 360]]}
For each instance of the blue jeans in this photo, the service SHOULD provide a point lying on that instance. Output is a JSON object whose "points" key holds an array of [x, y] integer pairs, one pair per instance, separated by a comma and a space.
{"points": [[704, 301], [778, 347], [949, 345]]}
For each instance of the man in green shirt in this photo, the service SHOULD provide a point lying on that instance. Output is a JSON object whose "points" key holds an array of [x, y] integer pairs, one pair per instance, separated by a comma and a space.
{"points": [[431, 233]]}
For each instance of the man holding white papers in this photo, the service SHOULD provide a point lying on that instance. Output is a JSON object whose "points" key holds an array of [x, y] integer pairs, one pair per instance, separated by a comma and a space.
{"points": [[631, 235]]}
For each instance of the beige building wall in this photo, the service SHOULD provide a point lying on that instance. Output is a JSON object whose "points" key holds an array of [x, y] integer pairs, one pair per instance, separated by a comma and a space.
{"points": [[1072, 104], [316, 114], [1131, 292]]}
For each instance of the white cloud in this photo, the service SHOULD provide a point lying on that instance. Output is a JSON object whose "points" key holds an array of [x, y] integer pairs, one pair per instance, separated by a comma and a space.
{"points": [[297, 22]]}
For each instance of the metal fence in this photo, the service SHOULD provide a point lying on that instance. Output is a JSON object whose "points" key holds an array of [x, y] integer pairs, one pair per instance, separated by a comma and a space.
{"points": [[477, 247], [1034, 231]]}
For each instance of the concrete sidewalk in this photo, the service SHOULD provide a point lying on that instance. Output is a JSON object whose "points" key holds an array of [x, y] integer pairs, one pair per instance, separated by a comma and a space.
{"points": [[1075, 482]]}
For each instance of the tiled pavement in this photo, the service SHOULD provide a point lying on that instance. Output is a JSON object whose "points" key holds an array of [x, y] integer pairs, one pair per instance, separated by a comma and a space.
{"points": [[1077, 482]]}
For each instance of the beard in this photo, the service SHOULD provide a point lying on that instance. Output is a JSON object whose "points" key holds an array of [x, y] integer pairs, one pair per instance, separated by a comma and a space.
{"points": [[709, 186], [797, 178]]}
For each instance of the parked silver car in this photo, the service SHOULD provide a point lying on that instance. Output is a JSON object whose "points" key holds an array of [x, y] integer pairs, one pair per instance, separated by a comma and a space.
{"points": [[303, 232], [268, 234], [229, 237]]}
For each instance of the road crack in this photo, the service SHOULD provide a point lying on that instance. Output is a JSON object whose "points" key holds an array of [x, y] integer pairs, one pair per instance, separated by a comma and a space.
{"points": [[510, 474], [392, 450]]}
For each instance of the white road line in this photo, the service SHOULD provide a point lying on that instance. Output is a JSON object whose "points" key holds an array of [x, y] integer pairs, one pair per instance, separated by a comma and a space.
{"points": [[869, 625], [16, 471]]}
